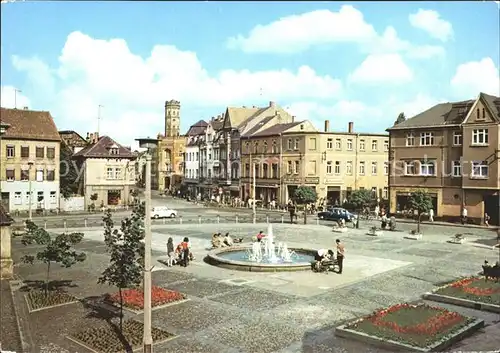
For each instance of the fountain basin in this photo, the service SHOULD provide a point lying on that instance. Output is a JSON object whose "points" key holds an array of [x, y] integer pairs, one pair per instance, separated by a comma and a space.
{"points": [[235, 258]]}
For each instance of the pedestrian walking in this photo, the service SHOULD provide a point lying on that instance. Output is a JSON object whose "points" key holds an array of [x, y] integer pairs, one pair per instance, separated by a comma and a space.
{"points": [[486, 219], [464, 215], [340, 255], [431, 215]]}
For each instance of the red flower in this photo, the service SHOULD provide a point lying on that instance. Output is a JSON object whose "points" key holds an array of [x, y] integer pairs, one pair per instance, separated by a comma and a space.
{"points": [[465, 285], [134, 298]]}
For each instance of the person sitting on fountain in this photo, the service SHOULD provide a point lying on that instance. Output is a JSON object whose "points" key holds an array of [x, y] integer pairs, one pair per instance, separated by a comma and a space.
{"points": [[235, 240], [260, 236], [228, 241], [216, 241]]}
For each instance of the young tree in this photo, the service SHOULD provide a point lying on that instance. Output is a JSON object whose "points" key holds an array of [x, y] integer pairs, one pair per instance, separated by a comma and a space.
{"points": [[422, 202], [126, 249], [305, 194], [400, 119], [360, 200], [93, 198], [58, 249]]}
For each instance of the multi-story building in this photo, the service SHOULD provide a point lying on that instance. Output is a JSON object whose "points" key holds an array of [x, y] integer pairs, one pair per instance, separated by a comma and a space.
{"points": [[289, 155], [195, 137], [451, 150], [209, 158], [109, 172], [168, 159], [29, 160], [239, 123]]}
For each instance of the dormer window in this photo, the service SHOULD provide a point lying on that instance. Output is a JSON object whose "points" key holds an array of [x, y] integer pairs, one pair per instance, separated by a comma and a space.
{"points": [[114, 149]]}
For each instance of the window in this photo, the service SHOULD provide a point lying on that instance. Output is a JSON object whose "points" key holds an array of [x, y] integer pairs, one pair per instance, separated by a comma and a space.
{"points": [[409, 168], [255, 147], [361, 168], [25, 152], [329, 143], [289, 144], [274, 171], [53, 197], [312, 168], [118, 173], [361, 145], [410, 139], [427, 168], [480, 136], [329, 167], [10, 174], [312, 143], [40, 152], [274, 147], [39, 196], [456, 169], [51, 175], [114, 150], [296, 144], [39, 175], [247, 170], [374, 191], [386, 146], [348, 167], [386, 168], [338, 144], [374, 168], [385, 193], [457, 138], [110, 173], [297, 167], [18, 198], [426, 139], [51, 152], [479, 169], [337, 167], [11, 152], [290, 167], [27, 197], [374, 145], [349, 144], [25, 174], [264, 170]]}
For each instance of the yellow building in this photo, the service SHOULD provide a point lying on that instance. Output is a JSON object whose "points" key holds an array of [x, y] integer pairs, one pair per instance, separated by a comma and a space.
{"points": [[29, 160]]}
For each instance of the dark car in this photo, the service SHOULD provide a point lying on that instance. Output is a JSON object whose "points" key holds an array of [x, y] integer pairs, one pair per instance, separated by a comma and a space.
{"points": [[336, 214]]}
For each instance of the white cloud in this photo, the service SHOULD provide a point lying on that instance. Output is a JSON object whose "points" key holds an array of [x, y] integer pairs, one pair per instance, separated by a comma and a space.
{"points": [[476, 76], [382, 68], [11, 98], [133, 89], [297, 33], [431, 22]]}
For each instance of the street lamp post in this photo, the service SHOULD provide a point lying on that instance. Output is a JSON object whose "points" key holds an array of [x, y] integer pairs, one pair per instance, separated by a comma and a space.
{"points": [[254, 213], [30, 191], [148, 339]]}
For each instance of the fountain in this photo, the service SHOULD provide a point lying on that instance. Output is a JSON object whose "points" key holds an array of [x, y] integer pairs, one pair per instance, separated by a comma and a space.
{"points": [[265, 255]]}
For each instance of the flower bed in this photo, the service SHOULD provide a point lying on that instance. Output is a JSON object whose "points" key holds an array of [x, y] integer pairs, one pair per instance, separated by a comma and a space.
{"points": [[473, 288], [134, 298], [38, 300], [420, 326], [106, 339]]}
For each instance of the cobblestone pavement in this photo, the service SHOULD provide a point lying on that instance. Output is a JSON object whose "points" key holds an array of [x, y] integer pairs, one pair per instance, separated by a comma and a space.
{"points": [[232, 311]]}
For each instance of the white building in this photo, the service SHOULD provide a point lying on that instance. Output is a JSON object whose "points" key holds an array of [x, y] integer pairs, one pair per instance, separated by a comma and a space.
{"points": [[195, 138]]}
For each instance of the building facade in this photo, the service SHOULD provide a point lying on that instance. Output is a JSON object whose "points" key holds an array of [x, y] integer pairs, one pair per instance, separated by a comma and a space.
{"points": [[169, 155], [73, 140], [109, 172], [452, 151], [195, 137], [29, 160]]}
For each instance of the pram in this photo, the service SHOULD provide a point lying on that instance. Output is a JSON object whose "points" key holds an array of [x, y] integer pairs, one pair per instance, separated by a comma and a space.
{"points": [[324, 265]]}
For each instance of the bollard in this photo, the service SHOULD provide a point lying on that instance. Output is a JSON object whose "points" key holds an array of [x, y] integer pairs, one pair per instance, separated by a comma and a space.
{"points": [[85, 222], [282, 219], [180, 220], [45, 224], [163, 220], [317, 220], [64, 225], [218, 219], [199, 219], [267, 219], [236, 218]]}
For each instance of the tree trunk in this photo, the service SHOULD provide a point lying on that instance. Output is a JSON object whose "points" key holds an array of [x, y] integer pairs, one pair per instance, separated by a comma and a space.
{"points": [[121, 309], [418, 223], [47, 280]]}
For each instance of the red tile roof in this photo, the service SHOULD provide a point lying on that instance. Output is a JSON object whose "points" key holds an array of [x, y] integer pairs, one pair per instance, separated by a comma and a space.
{"points": [[101, 149], [29, 125]]}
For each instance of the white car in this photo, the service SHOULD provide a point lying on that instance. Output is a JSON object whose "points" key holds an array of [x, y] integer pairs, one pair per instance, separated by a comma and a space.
{"points": [[163, 212]]}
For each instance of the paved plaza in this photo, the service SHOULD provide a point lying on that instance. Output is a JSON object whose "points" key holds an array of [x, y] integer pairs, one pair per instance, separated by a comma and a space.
{"points": [[284, 312]]}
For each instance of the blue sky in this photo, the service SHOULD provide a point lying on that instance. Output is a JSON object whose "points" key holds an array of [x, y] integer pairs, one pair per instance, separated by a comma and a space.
{"points": [[362, 62]]}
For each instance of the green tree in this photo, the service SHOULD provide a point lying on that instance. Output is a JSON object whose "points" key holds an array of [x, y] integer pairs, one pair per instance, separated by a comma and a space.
{"points": [[304, 194], [69, 177], [58, 249], [400, 119], [422, 202], [126, 249], [361, 199], [93, 198]]}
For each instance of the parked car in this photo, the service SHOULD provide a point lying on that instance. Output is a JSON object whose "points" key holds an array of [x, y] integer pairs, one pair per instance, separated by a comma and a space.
{"points": [[336, 214], [163, 212]]}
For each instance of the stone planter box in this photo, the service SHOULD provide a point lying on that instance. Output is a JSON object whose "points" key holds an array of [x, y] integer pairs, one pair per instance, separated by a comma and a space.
{"points": [[375, 233], [462, 302], [416, 236], [340, 230], [457, 240]]}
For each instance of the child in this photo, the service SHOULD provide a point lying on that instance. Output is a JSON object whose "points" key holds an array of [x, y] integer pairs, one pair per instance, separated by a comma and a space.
{"points": [[170, 252]]}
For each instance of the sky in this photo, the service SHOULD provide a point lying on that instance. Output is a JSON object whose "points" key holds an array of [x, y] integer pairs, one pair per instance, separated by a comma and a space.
{"points": [[356, 61]]}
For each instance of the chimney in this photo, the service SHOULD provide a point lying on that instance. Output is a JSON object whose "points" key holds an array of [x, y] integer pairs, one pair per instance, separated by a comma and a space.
{"points": [[96, 137], [293, 118], [91, 137], [272, 104], [88, 138], [25, 108], [327, 125], [351, 127]]}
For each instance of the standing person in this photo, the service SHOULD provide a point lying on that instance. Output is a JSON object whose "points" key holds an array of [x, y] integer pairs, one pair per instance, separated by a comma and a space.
{"points": [[340, 255], [486, 219], [170, 252], [464, 215], [291, 210], [431, 215]]}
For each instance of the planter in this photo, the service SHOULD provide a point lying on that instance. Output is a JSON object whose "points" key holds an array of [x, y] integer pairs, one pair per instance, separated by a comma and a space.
{"points": [[37, 300], [457, 240], [340, 230], [375, 233], [414, 236]]}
